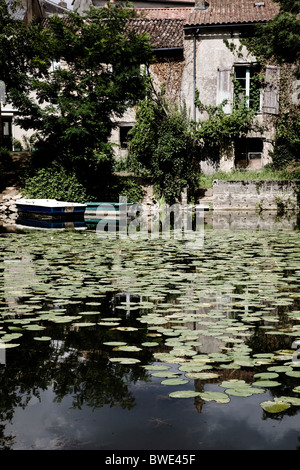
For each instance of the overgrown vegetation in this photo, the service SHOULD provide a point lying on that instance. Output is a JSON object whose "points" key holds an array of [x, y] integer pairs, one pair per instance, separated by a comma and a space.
{"points": [[167, 147], [54, 183], [162, 146]]}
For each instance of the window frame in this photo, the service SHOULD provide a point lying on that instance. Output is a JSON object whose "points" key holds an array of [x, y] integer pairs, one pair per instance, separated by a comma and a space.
{"points": [[248, 90]]}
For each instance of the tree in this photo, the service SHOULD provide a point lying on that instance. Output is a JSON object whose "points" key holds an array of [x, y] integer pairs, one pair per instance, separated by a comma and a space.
{"points": [[162, 146], [71, 77], [280, 37]]}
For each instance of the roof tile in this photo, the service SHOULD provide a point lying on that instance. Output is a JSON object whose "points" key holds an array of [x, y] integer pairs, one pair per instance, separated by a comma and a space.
{"points": [[164, 33], [218, 12]]}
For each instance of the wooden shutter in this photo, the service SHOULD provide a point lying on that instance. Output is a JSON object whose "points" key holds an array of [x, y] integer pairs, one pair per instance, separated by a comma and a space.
{"points": [[271, 91], [225, 88]]}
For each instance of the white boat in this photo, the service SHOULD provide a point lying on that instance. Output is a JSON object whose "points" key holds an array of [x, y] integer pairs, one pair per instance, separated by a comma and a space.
{"points": [[50, 209]]}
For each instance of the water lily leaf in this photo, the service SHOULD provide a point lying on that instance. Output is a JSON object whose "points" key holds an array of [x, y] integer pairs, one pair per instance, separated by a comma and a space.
{"points": [[293, 373], [129, 348], [291, 400], [126, 328], [219, 397], [34, 327], [156, 367], [124, 360], [8, 345], [184, 394], [280, 369], [266, 383], [239, 392], [266, 375], [202, 375], [273, 407], [42, 338], [174, 382]]}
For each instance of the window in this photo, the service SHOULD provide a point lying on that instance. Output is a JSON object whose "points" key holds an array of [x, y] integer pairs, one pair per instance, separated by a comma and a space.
{"points": [[246, 86], [248, 152], [55, 65], [124, 135]]}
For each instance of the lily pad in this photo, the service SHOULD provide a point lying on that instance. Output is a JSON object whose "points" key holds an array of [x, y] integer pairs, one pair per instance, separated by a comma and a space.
{"points": [[184, 394], [174, 382], [42, 338], [129, 348], [266, 383], [293, 373], [274, 407], [266, 375], [219, 397], [124, 360], [202, 375]]}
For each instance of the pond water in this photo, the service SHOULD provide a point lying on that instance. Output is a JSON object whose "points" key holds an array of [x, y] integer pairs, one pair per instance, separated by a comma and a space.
{"points": [[135, 344]]}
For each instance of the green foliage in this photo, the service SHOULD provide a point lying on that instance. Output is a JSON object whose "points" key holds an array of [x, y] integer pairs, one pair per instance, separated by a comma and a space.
{"points": [[219, 129], [72, 106], [279, 38], [5, 159], [292, 6], [54, 183], [162, 146], [129, 188], [287, 143]]}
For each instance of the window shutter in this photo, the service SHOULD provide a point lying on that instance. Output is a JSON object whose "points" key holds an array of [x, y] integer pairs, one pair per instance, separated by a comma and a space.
{"points": [[271, 91], [225, 88]]}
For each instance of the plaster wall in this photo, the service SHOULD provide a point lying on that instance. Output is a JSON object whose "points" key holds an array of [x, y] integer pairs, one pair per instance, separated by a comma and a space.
{"points": [[207, 53]]}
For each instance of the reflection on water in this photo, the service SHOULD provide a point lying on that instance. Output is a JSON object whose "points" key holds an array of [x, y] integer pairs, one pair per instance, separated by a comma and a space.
{"points": [[96, 331], [226, 219]]}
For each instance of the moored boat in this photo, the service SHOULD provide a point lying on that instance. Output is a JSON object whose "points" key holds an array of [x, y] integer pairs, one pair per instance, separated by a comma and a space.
{"points": [[45, 209]]}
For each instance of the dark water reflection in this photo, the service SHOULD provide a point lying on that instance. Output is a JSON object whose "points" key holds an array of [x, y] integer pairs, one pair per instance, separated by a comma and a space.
{"points": [[67, 394]]}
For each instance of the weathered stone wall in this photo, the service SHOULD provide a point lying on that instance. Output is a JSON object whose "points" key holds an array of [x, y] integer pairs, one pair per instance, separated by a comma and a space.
{"points": [[167, 72], [255, 195]]}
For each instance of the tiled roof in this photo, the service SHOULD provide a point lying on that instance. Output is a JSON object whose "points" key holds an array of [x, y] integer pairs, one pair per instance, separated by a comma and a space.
{"points": [[164, 33], [219, 12], [165, 13], [234, 11]]}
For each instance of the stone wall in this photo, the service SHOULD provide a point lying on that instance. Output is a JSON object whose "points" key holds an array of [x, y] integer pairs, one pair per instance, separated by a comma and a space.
{"points": [[255, 195]]}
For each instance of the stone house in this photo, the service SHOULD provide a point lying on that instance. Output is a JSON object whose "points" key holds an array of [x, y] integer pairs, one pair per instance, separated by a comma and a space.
{"points": [[188, 40], [191, 53]]}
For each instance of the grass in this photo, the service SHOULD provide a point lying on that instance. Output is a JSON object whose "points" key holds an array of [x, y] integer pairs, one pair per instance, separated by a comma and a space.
{"points": [[265, 174]]}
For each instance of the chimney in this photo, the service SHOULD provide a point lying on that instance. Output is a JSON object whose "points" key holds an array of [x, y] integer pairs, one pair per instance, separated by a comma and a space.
{"points": [[200, 4]]}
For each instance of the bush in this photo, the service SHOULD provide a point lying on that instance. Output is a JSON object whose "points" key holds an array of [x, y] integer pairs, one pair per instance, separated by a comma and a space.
{"points": [[5, 159], [131, 189], [162, 147], [54, 183]]}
